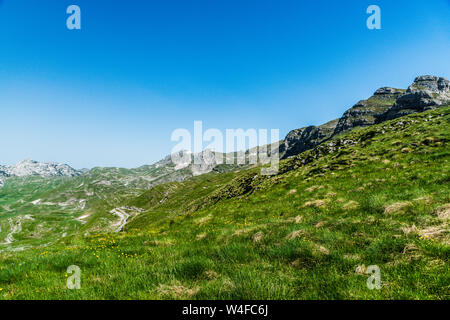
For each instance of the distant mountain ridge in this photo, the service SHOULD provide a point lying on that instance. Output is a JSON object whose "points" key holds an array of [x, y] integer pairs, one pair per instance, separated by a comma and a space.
{"points": [[146, 176], [28, 167]]}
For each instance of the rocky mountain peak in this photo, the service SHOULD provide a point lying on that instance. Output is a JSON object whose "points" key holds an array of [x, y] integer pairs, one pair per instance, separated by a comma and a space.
{"points": [[366, 112], [429, 83], [30, 167], [34, 168], [205, 162], [426, 92], [388, 91]]}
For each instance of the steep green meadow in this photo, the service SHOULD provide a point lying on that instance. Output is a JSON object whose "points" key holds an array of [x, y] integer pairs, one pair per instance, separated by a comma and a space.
{"points": [[374, 196]]}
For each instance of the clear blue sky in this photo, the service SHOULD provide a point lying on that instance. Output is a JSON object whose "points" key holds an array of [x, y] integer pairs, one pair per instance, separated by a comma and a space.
{"points": [[112, 93]]}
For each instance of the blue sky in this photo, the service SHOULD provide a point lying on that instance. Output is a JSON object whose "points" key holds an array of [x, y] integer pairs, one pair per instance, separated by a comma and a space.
{"points": [[111, 93]]}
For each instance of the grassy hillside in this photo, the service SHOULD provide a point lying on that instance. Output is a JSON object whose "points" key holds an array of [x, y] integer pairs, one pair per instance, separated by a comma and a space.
{"points": [[374, 196], [34, 210], [45, 209]]}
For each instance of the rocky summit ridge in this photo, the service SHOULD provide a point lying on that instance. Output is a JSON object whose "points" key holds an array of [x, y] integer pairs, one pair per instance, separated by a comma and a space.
{"points": [[34, 168], [425, 93]]}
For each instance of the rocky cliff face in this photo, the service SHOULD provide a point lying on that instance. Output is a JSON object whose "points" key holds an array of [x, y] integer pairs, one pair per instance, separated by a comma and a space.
{"points": [[303, 139], [185, 164], [427, 92], [206, 161], [366, 112]]}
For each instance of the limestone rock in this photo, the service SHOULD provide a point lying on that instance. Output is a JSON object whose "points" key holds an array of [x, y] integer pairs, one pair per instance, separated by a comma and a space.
{"points": [[306, 138], [427, 92]]}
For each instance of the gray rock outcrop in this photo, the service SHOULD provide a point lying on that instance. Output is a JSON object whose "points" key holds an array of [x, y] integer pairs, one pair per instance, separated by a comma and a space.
{"points": [[427, 92], [303, 139]]}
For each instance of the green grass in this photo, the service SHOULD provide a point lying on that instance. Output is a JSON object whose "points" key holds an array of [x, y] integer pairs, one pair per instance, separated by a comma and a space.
{"points": [[375, 196]]}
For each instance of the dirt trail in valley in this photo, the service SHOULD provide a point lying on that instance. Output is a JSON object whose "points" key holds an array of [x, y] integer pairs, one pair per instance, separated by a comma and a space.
{"points": [[16, 227], [124, 216]]}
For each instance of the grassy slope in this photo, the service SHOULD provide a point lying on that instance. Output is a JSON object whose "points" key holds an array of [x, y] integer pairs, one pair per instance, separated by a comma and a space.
{"points": [[60, 204], [47, 209], [304, 234]]}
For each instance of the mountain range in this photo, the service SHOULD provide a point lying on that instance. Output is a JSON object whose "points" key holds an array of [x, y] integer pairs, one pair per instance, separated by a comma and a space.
{"points": [[425, 93]]}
